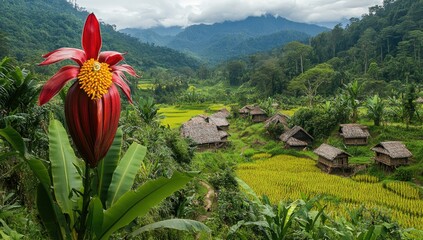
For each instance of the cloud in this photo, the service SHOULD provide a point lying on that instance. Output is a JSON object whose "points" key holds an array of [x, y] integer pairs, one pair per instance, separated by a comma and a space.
{"points": [[150, 13]]}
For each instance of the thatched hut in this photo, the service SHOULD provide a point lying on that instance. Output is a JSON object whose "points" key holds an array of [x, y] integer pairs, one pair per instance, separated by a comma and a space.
{"points": [[222, 113], [354, 134], [277, 119], [296, 138], [221, 123], [331, 157], [258, 115], [392, 154], [245, 111], [204, 134]]}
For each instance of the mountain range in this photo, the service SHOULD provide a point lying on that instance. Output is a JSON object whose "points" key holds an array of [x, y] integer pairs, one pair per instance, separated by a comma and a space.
{"points": [[221, 41]]}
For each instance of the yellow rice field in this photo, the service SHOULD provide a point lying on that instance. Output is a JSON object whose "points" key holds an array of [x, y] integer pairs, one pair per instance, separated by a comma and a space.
{"points": [[285, 177]]}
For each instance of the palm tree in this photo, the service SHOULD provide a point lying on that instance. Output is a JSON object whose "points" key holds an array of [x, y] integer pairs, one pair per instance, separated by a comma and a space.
{"points": [[147, 110], [375, 109], [353, 90], [18, 89]]}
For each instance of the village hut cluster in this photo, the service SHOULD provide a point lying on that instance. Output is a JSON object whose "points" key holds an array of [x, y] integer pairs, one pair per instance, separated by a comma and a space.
{"points": [[388, 155], [207, 132], [256, 113], [210, 132]]}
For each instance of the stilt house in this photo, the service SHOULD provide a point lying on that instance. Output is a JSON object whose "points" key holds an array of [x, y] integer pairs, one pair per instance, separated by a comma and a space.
{"points": [[354, 134], [331, 157], [392, 154], [296, 138]]}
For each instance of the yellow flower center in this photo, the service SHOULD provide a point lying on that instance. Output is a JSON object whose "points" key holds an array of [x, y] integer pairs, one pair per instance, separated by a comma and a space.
{"points": [[95, 78]]}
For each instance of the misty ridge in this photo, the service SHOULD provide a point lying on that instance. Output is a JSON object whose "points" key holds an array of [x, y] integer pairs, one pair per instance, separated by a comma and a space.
{"points": [[229, 39]]}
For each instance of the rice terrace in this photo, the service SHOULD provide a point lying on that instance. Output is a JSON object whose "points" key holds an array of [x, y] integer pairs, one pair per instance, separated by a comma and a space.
{"points": [[285, 177]]}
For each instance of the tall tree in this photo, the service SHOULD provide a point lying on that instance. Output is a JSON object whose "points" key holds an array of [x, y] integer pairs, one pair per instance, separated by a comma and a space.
{"points": [[408, 104], [296, 53], [311, 80], [235, 71], [269, 78], [366, 44], [336, 38]]}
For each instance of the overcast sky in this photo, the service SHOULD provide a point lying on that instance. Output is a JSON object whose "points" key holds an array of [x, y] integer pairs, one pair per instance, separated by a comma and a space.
{"points": [[150, 13]]}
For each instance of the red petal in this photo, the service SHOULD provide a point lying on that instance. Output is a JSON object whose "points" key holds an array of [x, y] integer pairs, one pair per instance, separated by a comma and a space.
{"points": [[125, 68], [60, 54], [110, 57], [117, 79], [91, 37], [55, 83]]}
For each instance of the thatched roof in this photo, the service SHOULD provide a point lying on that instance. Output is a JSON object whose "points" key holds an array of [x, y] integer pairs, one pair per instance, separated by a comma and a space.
{"points": [[393, 149], [277, 119], [201, 132], [222, 113], [257, 111], [419, 100], [329, 152], [291, 132], [198, 119], [223, 134], [246, 109], [353, 130], [220, 122], [295, 142]]}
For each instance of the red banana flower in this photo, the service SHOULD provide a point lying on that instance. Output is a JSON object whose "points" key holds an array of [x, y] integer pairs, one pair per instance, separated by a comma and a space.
{"points": [[92, 105]]}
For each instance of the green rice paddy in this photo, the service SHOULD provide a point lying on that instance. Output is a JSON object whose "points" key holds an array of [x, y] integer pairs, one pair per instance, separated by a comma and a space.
{"points": [[175, 116]]}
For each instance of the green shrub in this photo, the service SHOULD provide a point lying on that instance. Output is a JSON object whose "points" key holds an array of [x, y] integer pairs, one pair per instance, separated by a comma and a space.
{"points": [[315, 121], [249, 152], [403, 174], [224, 180]]}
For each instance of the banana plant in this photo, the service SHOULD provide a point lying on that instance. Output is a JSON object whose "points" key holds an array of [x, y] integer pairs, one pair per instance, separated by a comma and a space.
{"points": [[111, 203]]}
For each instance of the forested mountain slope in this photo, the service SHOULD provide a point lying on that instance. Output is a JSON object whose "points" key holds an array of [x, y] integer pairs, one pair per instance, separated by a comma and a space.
{"points": [[382, 50], [30, 28], [390, 36], [228, 39]]}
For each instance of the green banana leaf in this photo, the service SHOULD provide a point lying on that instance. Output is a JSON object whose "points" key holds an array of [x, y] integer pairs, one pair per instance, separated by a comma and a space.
{"points": [[108, 165], [124, 175], [65, 176], [137, 203], [95, 217], [15, 139], [36, 165], [178, 224], [53, 219], [40, 170]]}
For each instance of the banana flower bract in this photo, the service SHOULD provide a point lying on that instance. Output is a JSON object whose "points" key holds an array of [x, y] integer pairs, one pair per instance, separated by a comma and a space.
{"points": [[92, 105]]}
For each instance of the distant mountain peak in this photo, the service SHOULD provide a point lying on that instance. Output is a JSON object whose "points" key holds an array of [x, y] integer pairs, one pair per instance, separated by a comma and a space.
{"points": [[212, 42]]}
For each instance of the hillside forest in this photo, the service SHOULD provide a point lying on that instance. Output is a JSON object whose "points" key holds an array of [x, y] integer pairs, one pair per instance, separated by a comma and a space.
{"points": [[159, 180]]}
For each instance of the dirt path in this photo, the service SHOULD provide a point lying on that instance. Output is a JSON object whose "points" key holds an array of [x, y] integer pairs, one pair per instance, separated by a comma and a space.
{"points": [[208, 201]]}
